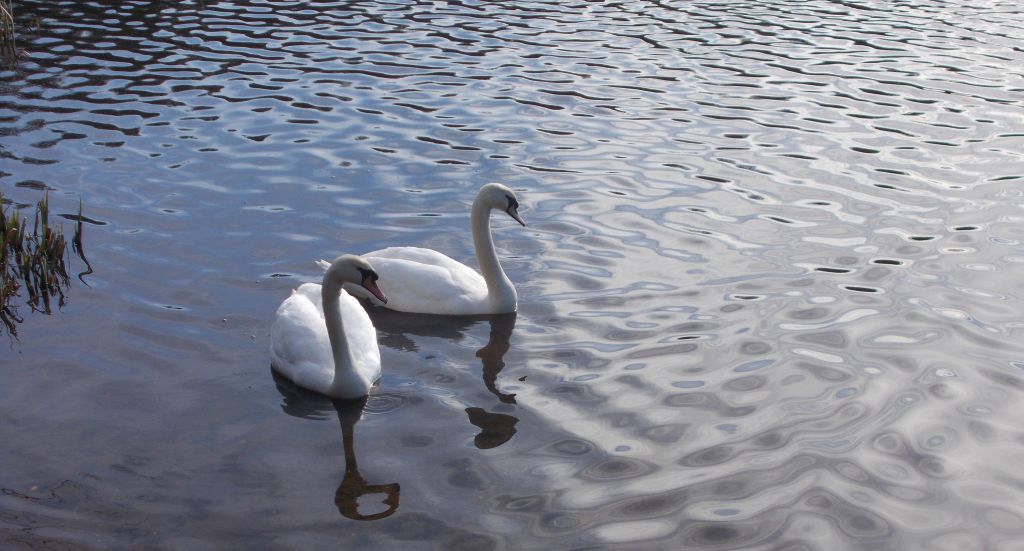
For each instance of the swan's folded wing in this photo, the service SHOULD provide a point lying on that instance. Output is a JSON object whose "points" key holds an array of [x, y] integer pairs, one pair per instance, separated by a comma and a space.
{"points": [[418, 255], [412, 254], [299, 336], [460, 275], [440, 286]]}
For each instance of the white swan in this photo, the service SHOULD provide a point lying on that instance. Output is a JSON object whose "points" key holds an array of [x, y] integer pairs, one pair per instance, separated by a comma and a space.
{"points": [[322, 338], [425, 281]]}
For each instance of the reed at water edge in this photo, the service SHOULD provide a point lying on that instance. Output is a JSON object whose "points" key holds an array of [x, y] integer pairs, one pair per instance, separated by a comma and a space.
{"points": [[8, 48], [35, 261]]}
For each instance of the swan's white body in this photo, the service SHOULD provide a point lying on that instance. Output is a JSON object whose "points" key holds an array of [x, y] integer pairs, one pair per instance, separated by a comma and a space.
{"points": [[425, 281], [322, 338]]}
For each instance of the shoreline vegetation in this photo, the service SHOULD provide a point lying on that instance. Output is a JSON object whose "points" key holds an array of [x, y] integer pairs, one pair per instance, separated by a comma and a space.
{"points": [[35, 259], [8, 46]]}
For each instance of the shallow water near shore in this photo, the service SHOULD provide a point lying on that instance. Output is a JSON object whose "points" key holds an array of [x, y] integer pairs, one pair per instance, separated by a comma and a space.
{"points": [[769, 291]]}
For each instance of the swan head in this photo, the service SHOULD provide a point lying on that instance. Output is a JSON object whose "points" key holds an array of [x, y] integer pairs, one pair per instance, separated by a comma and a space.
{"points": [[501, 197], [350, 268]]}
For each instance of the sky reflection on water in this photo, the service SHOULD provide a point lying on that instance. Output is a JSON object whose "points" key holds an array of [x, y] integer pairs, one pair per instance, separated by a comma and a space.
{"points": [[768, 294]]}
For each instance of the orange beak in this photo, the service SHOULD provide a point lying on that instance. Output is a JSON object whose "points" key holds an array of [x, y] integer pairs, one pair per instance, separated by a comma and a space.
{"points": [[370, 285]]}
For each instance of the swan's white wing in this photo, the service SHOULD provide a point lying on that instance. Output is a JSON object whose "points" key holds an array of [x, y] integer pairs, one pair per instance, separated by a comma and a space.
{"points": [[459, 274], [425, 281], [417, 254], [301, 350], [299, 347]]}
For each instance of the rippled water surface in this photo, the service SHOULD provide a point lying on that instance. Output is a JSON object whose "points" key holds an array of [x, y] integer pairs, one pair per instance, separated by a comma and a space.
{"points": [[770, 288]]}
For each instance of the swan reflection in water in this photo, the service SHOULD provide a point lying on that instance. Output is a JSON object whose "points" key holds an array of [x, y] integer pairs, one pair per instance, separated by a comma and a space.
{"points": [[395, 328], [309, 405]]}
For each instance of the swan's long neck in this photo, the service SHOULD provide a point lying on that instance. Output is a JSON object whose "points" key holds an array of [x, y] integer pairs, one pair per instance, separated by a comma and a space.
{"points": [[345, 375], [500, 290]]}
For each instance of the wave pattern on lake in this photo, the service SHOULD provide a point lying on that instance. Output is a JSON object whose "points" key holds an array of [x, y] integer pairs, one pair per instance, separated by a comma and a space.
{"points": [[770, 288]]}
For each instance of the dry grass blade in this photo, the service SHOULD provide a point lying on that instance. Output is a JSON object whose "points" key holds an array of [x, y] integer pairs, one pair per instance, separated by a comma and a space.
{"points": [[76, 245]]}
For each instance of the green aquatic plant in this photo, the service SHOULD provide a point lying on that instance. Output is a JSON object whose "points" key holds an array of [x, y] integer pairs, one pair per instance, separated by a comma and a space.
{"points": [[34, 261]]}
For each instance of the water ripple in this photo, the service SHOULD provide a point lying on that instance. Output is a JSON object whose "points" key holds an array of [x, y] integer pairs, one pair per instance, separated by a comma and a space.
{"points": [[767, 292]]}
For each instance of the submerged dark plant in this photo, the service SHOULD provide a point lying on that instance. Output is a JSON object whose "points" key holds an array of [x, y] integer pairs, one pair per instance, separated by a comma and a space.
{"points": [[34, 261]]}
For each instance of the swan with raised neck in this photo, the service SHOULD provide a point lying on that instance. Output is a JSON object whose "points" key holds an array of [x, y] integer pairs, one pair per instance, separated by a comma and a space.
{"points": [[426, 281], [500, 290]]}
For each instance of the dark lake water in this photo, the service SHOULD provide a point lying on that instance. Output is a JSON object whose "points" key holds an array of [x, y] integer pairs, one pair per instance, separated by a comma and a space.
{"points": [[770, 291]]}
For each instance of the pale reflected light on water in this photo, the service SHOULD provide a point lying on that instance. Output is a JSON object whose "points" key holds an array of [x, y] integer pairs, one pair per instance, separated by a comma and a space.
{"points": [[770, 288]]}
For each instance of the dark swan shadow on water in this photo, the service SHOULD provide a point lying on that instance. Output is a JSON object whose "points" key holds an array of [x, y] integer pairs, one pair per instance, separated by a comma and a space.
{"points": [[304, 404], [396, 327]]}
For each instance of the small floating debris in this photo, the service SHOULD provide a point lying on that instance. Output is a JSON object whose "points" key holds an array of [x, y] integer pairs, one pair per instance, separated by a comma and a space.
{"points": [[861, 289]]}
